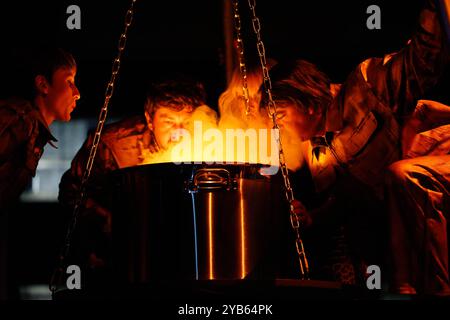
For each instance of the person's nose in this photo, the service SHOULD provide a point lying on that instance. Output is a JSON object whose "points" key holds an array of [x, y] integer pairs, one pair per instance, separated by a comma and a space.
{"points": [[76, 93], [177, 132]]}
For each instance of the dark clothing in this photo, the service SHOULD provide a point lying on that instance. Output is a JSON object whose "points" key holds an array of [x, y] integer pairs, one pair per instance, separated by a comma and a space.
{"points": [[23, 135], [364, 136], [122, 144]]}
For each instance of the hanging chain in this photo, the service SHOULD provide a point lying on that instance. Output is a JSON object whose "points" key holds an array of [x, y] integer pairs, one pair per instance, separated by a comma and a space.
{"points": [[241, 56], [272, 110], [57, 275]]}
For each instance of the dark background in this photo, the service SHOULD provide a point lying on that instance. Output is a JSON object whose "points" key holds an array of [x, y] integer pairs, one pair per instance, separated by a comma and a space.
{"points": [[186, 37]]}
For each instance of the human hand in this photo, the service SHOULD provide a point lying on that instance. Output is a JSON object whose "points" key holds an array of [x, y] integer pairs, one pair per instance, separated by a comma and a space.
{"points": [[299, 209]]}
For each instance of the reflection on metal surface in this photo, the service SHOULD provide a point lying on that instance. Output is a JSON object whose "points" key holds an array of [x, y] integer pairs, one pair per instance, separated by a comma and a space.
{"points": [[243, 247], [166, 227], [210, 236]]}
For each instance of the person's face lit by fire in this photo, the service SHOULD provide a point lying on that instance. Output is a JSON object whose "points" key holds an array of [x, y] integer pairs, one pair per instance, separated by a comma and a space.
{"points": [[59, 95], [166, 122], [299, 123]]}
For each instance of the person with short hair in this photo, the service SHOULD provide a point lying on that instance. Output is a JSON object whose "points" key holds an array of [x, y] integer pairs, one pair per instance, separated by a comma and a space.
{"points": [[25, 121], [352, 133], [48, 93], [132, 141]]}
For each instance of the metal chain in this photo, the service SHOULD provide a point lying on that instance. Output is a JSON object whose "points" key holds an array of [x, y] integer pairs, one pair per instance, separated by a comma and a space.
{"points": [[241, 56], [57, 275], [272, 110]]}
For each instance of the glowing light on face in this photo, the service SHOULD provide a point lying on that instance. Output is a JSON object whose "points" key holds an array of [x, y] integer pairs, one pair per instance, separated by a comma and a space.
{"points": [[196, 137], [166, 122], [199, 137]]}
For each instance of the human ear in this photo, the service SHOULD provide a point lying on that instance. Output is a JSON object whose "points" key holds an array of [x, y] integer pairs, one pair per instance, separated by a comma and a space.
{"points": [[41, 84], [149, 120]]}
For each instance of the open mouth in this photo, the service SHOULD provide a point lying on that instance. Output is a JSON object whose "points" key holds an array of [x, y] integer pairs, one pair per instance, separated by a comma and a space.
{"points": [[176, 136]]}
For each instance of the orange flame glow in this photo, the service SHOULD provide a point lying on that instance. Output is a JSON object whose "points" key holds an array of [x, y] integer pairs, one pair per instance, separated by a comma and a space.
{"points": [[235, 137]]}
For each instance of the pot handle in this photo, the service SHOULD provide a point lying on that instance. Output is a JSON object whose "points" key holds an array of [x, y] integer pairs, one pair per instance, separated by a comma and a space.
{"points": [[212, 179]]}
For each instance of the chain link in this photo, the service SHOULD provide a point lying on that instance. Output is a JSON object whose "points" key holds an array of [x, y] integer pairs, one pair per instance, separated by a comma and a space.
{"points": [[241, 56], [272, 110], [57, 275]]}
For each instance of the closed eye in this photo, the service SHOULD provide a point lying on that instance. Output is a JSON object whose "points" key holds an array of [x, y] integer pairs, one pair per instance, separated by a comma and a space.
{"points": [[168, 121], [280, 115]]}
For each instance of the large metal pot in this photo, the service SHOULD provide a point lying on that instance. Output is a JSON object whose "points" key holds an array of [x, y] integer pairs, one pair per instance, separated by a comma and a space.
{"points": [[200, 222]]}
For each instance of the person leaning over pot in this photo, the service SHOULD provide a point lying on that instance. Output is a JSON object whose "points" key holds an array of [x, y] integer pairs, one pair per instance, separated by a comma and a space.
{"points": [[47, 93], [352, 134], [133, 141]]}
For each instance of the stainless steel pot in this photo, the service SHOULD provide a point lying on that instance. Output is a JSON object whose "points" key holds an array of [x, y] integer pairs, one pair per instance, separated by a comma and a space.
{"points": [[190, 222]]}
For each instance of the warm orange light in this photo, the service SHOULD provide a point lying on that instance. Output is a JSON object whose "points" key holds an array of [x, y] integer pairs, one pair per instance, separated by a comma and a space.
{"points": [[243, 255], [210, 236], [233, 138]]}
